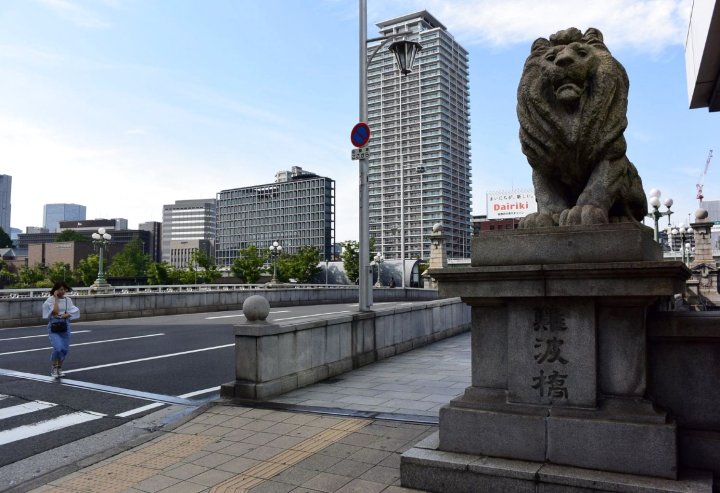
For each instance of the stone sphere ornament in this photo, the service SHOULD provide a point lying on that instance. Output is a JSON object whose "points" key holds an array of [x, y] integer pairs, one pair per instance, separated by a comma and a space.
{"points": [[701, 214], [256, 308]]}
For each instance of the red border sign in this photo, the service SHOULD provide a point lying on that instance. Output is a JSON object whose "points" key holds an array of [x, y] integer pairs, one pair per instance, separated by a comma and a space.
{"points": [[360, 134]]}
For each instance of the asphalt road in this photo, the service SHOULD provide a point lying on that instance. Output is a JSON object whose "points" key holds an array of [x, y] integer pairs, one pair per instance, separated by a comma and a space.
{"points": [[116, 371]]}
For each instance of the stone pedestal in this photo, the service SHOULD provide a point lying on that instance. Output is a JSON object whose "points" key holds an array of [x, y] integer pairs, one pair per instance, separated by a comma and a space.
{"points": [[559, 352]]}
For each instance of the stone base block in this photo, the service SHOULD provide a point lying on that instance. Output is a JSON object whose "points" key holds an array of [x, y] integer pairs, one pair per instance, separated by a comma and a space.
{"points": [[426, 468], [602, 439]]}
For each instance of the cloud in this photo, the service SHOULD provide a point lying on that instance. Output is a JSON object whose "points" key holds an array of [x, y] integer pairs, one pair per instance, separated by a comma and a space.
{"points": [[76, 14], [647, 26]]}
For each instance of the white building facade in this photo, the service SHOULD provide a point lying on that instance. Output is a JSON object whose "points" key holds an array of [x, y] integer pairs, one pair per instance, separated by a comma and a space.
{"points": [[187, 220], [419, 164]]}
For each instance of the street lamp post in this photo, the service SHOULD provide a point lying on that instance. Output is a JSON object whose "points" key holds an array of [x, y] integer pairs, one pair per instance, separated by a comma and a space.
{"points": [[275, 250], [685, 236], [101, 239], [405, 52], [379, 259], [656, 214]]}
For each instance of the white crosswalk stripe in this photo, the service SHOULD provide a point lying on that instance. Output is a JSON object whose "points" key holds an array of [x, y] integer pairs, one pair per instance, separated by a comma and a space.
{"points": [[42, 426]]}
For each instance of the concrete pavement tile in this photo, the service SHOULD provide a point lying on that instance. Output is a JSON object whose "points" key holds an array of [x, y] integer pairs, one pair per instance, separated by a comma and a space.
{"points": [[230, 410], [263, 453], [212, 419], [257, 413], [216, 431], [317, 403], [391, 386], [296, 476], [410, 404], [212, 477], [238, 465], [304, 490], [382, 474], [392, 460], [238, 435], [237, 422], [261, 438], [217, 445], [258, 425], [437, 398], [359, 399], [327, 482], [299, 419], [370, 456], [184, 471], [362, 486], [186, 487], [156, 483], [286, 442], [350, 468], [197, 455], [400, 489], [277, 416], [212, 460], [359, 439], [272, 487], [355, 391], [282, 428], [341, 450], [238, 449], [193, 428], [391, 444], [326, 422], [306, 431], [318, 462]]}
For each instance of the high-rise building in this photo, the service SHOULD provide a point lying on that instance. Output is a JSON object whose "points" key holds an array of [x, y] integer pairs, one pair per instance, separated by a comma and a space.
{"points": [[187, 220], [54, 213], [419, 164], [5, 192], [297, 210], [155, 229]]}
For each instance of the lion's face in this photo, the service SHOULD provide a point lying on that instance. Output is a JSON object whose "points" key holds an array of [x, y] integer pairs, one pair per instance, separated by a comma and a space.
{"points": [[567, 69]]}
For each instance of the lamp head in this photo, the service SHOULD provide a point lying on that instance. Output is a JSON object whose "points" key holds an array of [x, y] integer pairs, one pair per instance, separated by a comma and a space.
{"points": [[654, 201], [668, 202], [405, 52], [101, 231], [95, 236], [655, 193]]}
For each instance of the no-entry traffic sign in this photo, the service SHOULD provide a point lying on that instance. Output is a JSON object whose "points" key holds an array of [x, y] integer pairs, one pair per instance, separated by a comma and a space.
{"points": [[360, 134]]}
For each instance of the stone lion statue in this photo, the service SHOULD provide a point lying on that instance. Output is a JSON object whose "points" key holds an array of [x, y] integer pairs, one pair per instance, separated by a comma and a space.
{"points": [[572, 103]]}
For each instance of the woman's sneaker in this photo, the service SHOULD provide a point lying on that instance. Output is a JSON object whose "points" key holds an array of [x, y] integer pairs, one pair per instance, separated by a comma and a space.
{"points": [[55, 372]]}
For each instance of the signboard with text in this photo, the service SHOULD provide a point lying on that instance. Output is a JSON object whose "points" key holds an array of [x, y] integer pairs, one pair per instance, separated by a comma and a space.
{"points": [[510, 204]]}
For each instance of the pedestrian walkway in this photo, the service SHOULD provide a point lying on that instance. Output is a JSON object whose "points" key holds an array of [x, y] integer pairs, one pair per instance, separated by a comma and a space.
{"points": [[232, 448]]}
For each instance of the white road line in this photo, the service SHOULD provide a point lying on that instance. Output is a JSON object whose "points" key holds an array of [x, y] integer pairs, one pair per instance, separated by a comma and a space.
{"points": [[41, 335], [148, 359], [28, 407], [242, 315], [308, 316], [84, 344], [27, 431], [139, 410]]}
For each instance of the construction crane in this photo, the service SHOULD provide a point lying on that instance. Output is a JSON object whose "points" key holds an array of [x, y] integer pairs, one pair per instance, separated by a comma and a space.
{"points": [[699, 186]]}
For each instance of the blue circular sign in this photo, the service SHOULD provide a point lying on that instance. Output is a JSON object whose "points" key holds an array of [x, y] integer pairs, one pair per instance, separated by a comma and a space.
{"points": [[360, 134]]}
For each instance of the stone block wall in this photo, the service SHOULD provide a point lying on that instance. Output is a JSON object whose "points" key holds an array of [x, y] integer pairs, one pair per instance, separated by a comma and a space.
{"points": [[272, 359]]}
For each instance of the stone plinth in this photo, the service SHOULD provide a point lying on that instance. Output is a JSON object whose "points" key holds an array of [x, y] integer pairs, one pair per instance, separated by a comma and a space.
{"points": [[559, 351]]}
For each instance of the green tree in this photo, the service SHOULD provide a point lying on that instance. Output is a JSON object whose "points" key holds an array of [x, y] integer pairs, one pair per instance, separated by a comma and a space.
{"points": [[350, 255], [33, 277], [60, 271], [7, 278], [5, 241], [159, 273], [205, 266], [302, 266], [249, 264], [130, 261], [71, 235], [87, 269]]}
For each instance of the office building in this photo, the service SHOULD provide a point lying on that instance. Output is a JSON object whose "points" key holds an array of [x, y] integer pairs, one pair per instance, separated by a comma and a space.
{"points": [[155, 230], [702, 55], [419, 164], [5, 192], [297, 210], [187, 220], [54, 213], [93, 225]]}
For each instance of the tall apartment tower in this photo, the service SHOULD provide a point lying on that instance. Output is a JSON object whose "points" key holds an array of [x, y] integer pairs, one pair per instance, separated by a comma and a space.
{"points": [[5, 192], [297, 210], [419, 165], [188, 221], [54, 213]]}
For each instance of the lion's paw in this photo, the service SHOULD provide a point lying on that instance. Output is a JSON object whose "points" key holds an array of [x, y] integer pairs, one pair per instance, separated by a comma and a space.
{"points": [[537, 220], [583, 214]]}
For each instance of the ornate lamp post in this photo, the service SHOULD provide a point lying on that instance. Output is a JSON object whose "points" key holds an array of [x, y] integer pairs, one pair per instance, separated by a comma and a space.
{"points": [[405, 52], [275, 250], [656, 214], [378, 259], [101, 239]]}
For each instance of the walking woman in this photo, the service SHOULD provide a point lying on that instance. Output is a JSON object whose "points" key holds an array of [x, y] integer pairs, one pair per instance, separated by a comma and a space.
{"points": [[59, 310]]}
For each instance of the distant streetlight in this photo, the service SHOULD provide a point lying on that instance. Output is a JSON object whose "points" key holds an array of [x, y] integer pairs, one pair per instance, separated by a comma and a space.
{"points": [[378, 259], [275, 250], [685, 236], [101, 239], [405, 52], [656, 214]]}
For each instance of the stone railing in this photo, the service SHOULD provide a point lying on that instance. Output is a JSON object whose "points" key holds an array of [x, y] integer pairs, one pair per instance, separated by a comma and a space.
{"points": [[147, 301], [271, 359]]}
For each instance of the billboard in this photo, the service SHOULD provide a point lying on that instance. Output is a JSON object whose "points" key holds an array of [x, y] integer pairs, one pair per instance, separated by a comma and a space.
{"points": [[510, 204]]}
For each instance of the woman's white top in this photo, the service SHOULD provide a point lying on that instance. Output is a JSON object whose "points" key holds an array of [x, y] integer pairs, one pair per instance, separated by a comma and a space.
{"points": [[71, 308]]}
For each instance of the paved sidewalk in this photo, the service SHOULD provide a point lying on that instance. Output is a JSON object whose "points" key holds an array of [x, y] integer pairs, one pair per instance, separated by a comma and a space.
{"points": [[231, 448]]}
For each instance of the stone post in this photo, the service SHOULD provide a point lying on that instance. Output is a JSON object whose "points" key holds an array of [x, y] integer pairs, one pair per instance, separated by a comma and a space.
{"points": [[438, 255], [558, 366]]}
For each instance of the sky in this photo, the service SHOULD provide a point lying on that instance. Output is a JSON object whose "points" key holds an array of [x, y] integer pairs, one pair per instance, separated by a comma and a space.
{"points": [[126, 105]]}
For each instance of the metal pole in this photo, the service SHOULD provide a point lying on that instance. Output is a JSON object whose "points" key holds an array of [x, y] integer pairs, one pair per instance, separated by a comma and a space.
{"points": [[402, 191], [364, 287]]}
